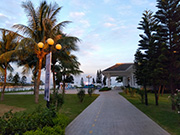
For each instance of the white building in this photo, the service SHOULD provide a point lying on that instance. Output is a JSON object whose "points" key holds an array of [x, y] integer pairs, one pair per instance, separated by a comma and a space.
{"points": [[126, 70]]}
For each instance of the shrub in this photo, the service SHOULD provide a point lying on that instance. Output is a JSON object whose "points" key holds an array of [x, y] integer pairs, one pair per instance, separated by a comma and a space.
{"points": [[122, 87], [141, 93], [81, 95], [61, 120], [90, 91], [36, 121], [178, 101], [56, 130], [175, 99], [56, 100], [126, 91], [105, 89], [132, 91]]}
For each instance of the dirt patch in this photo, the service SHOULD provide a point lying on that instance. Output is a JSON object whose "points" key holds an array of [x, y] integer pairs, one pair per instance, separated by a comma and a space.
{"points": [[6, 108]]}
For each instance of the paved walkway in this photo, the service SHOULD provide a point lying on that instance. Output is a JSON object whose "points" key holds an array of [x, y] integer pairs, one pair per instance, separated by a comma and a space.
{"points": [[111, 114]]}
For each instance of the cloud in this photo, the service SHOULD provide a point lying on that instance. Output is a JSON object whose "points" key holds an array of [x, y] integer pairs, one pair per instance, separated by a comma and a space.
{"points": [[109, 24], [84, 23], [80, 3], [75, 31], [140, 2], [107, 1], [111, 19], [77, 14], [3, 18], [79, 18]]}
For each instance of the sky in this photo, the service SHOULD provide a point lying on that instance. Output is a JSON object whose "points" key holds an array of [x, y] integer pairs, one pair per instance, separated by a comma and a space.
{"points": [[107, 28]]}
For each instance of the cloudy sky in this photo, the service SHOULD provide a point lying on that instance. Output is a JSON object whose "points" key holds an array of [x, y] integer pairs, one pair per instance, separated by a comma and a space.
{"points": [[107, 28]]}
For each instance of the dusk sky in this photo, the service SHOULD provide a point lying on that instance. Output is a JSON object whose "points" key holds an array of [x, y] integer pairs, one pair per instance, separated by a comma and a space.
{"points": [[107, 28]]}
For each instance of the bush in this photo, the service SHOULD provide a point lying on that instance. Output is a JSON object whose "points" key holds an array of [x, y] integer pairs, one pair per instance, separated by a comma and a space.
{"points": [[141, 93], [132, 91], [36, 121], [122, 87], [90, 91], [81, 95], [56, 130], [56, 100], [61, 120], [175, 99], [126, 91], [105, 89]]}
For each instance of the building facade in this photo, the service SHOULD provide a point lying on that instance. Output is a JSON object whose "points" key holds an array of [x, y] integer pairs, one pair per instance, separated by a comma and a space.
{"points": [[125, 70]]}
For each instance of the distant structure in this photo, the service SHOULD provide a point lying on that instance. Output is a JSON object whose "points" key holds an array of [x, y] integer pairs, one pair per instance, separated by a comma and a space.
{"points": [[126, 70]]}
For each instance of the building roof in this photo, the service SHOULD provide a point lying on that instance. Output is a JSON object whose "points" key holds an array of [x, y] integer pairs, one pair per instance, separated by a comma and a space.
{"points": [[119, 67]]}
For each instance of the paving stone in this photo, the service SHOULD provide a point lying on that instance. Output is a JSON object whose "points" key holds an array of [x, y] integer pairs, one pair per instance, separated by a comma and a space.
{"points": [[112, 114]]}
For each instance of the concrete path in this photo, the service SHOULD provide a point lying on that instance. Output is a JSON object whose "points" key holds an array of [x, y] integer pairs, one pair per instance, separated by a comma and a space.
{"points": [[111, 114]]}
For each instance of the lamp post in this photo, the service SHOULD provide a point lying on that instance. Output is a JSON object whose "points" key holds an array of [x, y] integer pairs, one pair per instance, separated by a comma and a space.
{"points": [[48, 54]]}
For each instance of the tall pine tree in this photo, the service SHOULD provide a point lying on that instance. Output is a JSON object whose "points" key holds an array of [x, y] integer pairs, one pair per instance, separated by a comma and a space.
{"points": [[145, 56], [169, 20]]}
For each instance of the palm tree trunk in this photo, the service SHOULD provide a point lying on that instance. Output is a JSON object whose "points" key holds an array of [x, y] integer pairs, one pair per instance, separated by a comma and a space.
{"points": [[38, 82], [4, 85]]}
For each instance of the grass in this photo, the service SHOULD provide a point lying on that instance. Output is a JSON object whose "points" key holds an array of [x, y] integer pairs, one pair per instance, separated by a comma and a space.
{"points": [[161, 114], [71, 107]]}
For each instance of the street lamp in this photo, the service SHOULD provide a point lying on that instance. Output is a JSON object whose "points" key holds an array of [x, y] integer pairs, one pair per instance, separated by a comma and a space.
{"points": [[48, 54]]}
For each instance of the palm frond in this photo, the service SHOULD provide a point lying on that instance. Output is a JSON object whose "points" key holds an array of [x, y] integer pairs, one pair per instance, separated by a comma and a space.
{"points": [[31, 13], [55, 12], [60, 25], [6, 57], [25, 29], [1, 69]]}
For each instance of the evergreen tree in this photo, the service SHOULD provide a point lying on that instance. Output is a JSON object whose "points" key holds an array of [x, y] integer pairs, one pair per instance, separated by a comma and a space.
{"points": [[169, 20], [104, 80], [10, 77], [99, 77], [146, 55], [93, 81], [23, 80], [82, 82], [16, 78]]}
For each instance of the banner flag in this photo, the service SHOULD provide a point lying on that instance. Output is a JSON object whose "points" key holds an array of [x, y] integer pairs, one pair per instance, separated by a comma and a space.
{"points": [[47, 77]]}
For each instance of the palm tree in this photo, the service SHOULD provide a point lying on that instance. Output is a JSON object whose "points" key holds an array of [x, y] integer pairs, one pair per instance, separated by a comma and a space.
{"points": [[66, 68], [8, 44], [41, 25], [69, 43]]}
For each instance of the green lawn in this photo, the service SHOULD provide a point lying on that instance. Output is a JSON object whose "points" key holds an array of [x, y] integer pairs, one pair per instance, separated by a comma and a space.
{"points": [[162, 114], [71, 107]]}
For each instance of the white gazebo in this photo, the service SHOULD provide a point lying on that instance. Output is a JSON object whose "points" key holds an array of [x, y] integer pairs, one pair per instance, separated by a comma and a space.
{"points": [[126, 70]]}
